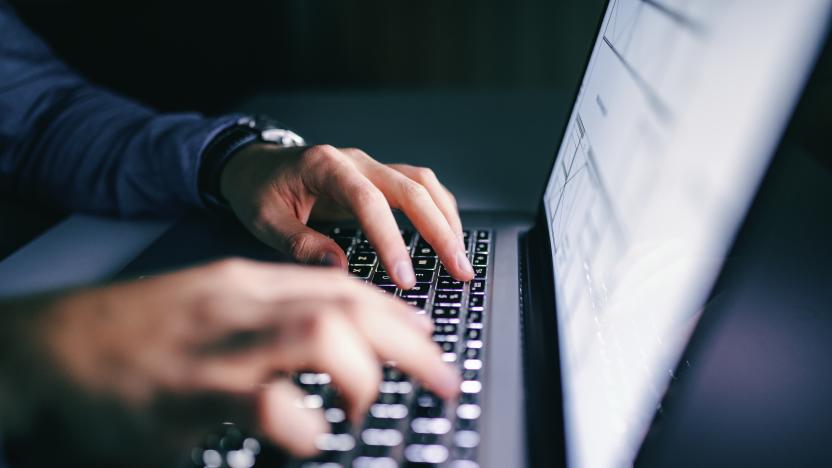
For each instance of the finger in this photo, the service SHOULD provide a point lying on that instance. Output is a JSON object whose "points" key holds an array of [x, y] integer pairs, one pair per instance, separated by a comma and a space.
{"points": [[342, 352], [416, 202], [333, 174], [284, 420], [440, 195], [285, 232], [245, 294], [393, 339], [307, 337]]}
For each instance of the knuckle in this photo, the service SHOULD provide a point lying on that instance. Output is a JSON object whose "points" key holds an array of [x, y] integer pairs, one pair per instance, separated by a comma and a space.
{"points": [[322, 155], [424, 174], [356, 152], [414, 191]]}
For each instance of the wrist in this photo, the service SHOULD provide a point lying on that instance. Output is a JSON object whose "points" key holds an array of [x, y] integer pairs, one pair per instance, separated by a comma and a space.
{"points": [[241, 168], [246, 132]]}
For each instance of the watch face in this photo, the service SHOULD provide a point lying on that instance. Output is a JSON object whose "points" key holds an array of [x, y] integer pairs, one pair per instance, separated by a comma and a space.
{"points": [[271, 131], [282, 137]]}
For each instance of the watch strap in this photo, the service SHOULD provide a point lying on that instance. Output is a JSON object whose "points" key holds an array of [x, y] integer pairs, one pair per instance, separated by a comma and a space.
{"points": [[216, 155]]}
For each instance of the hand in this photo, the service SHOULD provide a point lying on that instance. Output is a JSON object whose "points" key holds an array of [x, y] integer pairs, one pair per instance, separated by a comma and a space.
{"points": [[134, 374], [274, 191]]}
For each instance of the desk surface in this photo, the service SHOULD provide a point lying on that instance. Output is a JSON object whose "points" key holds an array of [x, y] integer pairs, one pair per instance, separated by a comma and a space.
{"points": [[492, 149]]}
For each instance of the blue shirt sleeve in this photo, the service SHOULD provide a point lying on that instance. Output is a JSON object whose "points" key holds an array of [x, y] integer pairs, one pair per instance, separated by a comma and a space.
{"points": [[78, 147]]}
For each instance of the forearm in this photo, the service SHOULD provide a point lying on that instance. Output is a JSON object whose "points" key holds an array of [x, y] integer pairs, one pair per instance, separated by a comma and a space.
{"points": [[75, 146]]}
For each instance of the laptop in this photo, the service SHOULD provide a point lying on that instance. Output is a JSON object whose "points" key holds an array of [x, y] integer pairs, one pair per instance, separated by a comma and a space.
{"points": [[572, 331]]}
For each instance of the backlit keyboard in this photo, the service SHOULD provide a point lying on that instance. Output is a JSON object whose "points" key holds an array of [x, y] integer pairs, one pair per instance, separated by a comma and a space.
{"points": [[407, 425]]}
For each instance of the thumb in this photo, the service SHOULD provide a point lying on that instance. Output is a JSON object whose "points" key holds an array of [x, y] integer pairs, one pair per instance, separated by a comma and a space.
{"points": [[304, 244]]}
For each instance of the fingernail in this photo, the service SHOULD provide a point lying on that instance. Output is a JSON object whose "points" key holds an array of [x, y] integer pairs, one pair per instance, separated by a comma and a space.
{"points": [[330, 259], [404, 272], [463, 264]]}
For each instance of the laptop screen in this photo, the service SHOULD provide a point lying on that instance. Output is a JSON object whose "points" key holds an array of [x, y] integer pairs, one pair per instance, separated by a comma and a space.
{"points": [[677, 117]]}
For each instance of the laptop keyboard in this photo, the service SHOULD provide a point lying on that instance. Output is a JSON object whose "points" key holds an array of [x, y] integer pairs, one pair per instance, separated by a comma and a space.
{"points": [[407, 425]]}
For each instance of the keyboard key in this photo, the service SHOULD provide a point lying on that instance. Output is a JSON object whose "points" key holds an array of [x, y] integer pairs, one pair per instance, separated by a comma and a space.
{"points": [[418, 302], [470, 386], [472, 353], [407, 236], [479, 272], [466, 439], [445, 312], [313, 378], [374, 462], [423, 251], [316, 464], [445, 329], [384, 437], [447, 346], [447, 298], [468, 411], [470, 374], [472, 364], [428, 405], [449, 284], [389, 289], [473, 334], [483, 235], [476, 301], [399, 388], [437, 426], [419, 453], [420, 290], [481, 247], [423, 276], [334, 442], [450, 358], [390, 398], [478, 286], [443, 273], [443, 338], [384, 411], [424, 263], [464, 464], [363, 259], [392, 374], [335, 415], [480, 260], [382, 279], [474, 317], [362, 272]]}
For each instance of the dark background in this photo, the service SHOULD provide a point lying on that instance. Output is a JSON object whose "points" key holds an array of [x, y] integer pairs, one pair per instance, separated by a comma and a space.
{"points": [[214, 56], [207, 55]]}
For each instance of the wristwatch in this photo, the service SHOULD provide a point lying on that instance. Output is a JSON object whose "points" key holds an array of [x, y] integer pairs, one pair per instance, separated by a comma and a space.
{"points": [[246, 131]]}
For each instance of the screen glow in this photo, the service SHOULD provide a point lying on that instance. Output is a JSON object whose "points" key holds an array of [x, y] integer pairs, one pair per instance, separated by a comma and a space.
{"points": [[678, 115]]}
